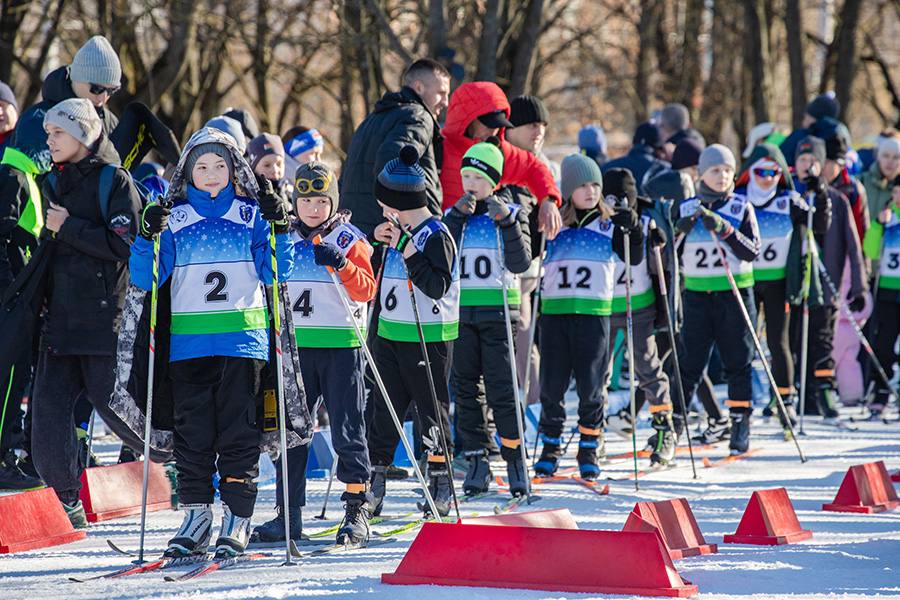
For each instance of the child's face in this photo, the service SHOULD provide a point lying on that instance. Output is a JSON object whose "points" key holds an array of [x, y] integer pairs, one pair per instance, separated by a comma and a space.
{"points": [[313, 210], [586, 197], [387, 212], [63, 147], [271, 167], [718, 178], [477, 185], [309, 156], [766, 175], [210, 174], [804, 163]]}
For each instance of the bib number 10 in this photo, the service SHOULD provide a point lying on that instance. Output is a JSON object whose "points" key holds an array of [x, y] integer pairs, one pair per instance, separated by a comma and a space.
{"points": [[482, 267]]}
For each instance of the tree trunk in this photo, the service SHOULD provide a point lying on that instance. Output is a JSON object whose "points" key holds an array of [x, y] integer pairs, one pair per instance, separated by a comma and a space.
{"points": [[756, 58], [691, 58], [261, 63], [645, 52], [847, 54], [793, 23], [437, 28], [11, 16], [526, 46], [719, 89], [490, 38]]}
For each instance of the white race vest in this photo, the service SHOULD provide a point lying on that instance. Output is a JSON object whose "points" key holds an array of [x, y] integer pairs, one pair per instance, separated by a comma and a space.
{"points": [[215, 285], [320, 319], [578, 271], [704, 269], [775, 230], [396, 321], [481, 268], [642, 294], [889, 265]]}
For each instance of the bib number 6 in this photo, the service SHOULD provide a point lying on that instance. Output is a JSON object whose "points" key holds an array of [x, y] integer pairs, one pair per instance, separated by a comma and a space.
{"points": [[218, 280]]}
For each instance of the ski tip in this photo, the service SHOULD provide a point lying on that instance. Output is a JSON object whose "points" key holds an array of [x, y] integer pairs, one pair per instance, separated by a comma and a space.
{"points": [[707, 463]]}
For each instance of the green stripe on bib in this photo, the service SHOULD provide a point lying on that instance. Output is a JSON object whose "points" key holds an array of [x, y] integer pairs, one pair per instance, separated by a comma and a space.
{"points": [[489, 296], [574, 305], [327, 337], [638, 301], [716, 283], [228, 321], [407, 332]]}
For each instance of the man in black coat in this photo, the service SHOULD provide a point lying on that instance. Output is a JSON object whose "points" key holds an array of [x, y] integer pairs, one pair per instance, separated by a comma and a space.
{"points": [[404, 118]]}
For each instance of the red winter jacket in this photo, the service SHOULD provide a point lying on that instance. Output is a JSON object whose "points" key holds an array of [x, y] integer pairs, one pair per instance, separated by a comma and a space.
{"points": [[468, 102]]}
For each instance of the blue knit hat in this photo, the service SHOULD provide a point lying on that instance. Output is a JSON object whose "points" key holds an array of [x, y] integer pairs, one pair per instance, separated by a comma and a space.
{"points": [[401, 183], [592, 139], [96, 62]]}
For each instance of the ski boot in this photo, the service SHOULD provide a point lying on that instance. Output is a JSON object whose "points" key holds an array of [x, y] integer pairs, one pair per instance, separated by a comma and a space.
{"points": [[354, 529], [716, 431], [478, 475], [378, 487], [233, 535], [827, 407], [740, 433], [516, 475], [878, 404], [548, 463], [621, 423], [666, 439], [439, 483], [791, 420], [395, 473], [588, 465], [195, 532], [76, 515], [127, 455], [13, 478], [273, 530]]}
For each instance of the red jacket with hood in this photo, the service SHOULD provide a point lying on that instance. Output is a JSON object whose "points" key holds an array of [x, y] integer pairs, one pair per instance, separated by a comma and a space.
{"points": [[468, 102]]}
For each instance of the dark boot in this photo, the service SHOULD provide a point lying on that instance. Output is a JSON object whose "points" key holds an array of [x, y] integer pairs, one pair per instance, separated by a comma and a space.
{"points": [[740, 433], [439, 487], [12, 477], [588, 464], [126, 455], [355, 526], [665, 440], [478, 475], [395, 473], [716, 431], [378, 487], [791, 416], [548, 463], [516, 476], [273, 531]]}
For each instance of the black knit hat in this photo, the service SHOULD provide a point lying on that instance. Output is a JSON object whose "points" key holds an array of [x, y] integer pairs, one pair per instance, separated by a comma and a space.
{"points": [[527, 109], [401, 183], [686, 154], [835, 146], [620, 183], [824, 105]]}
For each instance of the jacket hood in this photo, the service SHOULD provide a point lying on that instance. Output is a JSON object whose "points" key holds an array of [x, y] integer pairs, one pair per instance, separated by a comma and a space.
{"points": [[243, 178], [57, 86], [669, 184], [470, 101], [772, 153]]}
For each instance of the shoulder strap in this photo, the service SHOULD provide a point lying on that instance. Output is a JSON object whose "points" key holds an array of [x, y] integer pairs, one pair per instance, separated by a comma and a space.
{"points": [[105, 189]]}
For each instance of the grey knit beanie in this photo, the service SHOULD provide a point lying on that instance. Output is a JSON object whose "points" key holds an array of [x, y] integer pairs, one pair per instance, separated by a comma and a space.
{"points": [[713, 155], [207, 148], [96, 62], [316, 179], [577, 170], [78, 118]]}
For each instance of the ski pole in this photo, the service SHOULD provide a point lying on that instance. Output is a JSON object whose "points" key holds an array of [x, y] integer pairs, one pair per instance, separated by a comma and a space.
{"points": [[321, 516], [512, 364], [148, 412], [90, 439], [535, 308], [342, 293], [756, 342], [670, 325], [629, 339], [280, 399], [12, 372], [804, 323]]}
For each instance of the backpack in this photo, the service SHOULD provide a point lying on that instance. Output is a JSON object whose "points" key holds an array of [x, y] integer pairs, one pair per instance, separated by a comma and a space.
{"points": [[104, 189]]}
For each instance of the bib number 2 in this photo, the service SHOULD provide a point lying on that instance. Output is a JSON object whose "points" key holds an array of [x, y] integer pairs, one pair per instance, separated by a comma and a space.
{"points": [[218, 280]]}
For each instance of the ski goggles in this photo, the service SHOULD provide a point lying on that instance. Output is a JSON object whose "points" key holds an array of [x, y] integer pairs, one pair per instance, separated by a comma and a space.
{"points": [[316, 184], [97, 89], [773, 172]]}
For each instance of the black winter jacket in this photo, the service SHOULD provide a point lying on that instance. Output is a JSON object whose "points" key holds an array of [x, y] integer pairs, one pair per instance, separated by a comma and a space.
{"points": [[399, 119], [16, 244], [89, 270]]}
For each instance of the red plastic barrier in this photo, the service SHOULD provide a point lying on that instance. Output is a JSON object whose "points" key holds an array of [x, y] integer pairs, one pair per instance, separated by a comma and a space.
{"points": [[546, 519], [769, 520], [865, 489], [676, 524], [115, 491], [30, 520], [599, 562], [895, 476]]}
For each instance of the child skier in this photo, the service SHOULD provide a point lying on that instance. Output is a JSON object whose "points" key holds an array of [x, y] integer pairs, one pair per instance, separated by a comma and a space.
{"points": [[330, 359], [882, 243], [711, 312], [576, 301], [421, 252], [265, 153], [215, 245], [482, 348]]}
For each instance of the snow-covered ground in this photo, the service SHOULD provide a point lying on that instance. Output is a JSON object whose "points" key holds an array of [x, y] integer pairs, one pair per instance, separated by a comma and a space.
{"points": [[850, 556]]}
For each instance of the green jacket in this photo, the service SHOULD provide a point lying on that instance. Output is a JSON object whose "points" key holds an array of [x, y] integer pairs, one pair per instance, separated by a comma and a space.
{"points": [[878, 189]]}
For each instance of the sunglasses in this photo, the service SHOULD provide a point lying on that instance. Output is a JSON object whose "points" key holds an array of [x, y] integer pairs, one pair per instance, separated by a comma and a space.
{"points": [[317, 184], [97, 89], [767, 172]]}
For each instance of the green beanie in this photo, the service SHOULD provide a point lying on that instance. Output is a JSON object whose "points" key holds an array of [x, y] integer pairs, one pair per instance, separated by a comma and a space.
{"points": [[486, 159], [577, 170]]}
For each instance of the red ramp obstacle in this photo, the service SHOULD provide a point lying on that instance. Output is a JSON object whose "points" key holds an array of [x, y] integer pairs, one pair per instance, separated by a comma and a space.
{"points": [[895, 476], [559, 518], [115, 491], [769, 520], [676, 524], [866, 489], [478, 555], [30, 520]]}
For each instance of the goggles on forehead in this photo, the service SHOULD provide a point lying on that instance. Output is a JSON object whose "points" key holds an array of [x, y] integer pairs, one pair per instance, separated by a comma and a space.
{"points": [[316, 184], [770, 172]]}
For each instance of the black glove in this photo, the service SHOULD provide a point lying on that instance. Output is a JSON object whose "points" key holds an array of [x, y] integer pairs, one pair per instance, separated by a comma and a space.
{"points": [[657, 236], [626, 219], [272, 206], [715, 223], [856, 303], [154, 220], [327, 255], [815, 185], [684, 225]]}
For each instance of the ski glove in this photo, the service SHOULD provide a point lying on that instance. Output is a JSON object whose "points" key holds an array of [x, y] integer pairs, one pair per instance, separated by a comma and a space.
{"points": [[328, 255], [657, 236], [466, 204], [815, 185], [154, 220], [856, 303], [626, 219], [497, 209], [715, 223], [684, 225], [272, 206]]}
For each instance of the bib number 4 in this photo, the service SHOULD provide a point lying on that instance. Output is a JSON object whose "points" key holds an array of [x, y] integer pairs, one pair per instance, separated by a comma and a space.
{"points": [[303, 304]]}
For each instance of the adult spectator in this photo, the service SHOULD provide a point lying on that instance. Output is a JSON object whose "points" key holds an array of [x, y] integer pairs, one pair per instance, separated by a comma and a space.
{"points": [[678, 182], [95, 75], [406, 117], [9, 114], [645, 153], [820, 115], [877, 179], [592, 143], [477, 111]]}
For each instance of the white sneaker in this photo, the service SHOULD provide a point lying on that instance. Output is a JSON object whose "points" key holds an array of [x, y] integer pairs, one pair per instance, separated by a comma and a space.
{"points": [[195, 532], [234, 534]]}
